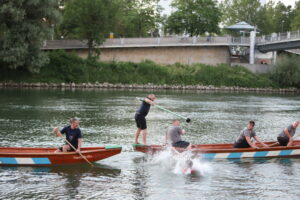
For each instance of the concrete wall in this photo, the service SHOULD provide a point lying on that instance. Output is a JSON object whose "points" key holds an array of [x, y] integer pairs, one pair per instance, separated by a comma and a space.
{"points": [[166, 55]]}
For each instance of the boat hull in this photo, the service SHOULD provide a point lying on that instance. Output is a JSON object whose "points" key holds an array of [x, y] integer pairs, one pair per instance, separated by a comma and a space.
{"points": [[226, 151], [47, 157]]}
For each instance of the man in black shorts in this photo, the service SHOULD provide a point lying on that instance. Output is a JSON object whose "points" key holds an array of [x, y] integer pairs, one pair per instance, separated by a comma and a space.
{"points": [[140, 118], [73, 136], [173, 136]]}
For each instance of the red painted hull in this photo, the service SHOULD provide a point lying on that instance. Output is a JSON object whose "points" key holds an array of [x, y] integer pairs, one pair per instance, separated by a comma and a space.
{"points": [[47, 157]]}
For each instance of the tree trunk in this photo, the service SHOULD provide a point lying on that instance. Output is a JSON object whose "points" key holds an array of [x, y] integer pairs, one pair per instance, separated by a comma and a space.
{"points": [[90, 47]]}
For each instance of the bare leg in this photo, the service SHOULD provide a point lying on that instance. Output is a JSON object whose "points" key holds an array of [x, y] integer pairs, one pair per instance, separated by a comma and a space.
{"points": [[57, 151], [66, 148], [274, 144], [144, 136], [137, 134]]}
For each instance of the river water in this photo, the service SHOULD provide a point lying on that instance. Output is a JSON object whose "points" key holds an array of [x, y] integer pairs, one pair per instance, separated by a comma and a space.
{"points": [[28, 116]]}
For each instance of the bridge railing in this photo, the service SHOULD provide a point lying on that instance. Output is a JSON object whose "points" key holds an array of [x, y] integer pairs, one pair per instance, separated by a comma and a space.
{"points": [[175, 41], [278, 37], [148, 42]]}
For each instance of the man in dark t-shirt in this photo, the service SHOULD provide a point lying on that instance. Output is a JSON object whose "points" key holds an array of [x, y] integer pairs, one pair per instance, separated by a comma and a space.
{"points": [[140, 118], [73, 136]]}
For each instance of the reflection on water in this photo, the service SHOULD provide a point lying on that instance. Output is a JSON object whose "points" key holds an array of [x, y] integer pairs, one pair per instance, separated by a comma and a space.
{"points": [[28, 116]]}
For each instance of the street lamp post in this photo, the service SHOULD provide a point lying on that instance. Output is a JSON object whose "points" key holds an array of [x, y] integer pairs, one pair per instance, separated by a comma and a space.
{"points": [[52, 35]]}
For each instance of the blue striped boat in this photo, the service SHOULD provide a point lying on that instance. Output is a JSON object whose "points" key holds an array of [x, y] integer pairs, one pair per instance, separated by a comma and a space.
{"points": [[226, 151]]}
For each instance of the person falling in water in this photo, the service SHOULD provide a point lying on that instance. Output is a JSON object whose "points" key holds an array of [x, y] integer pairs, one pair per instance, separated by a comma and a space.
{"points": [[73, 136], [173, 136], [173, 139], [285, 138], [140, 118], [244, 139]]}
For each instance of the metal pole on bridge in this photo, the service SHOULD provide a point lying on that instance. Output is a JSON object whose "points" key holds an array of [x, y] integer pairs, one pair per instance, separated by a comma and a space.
{"points": [[252, 46]]}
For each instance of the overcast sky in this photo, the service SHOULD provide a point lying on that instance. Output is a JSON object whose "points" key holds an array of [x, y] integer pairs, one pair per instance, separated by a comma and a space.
{"points": [[166, 4]]}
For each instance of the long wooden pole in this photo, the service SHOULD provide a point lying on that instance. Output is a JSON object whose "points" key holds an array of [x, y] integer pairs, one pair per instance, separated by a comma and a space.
{"points": [[77, 152], [188, 120]]}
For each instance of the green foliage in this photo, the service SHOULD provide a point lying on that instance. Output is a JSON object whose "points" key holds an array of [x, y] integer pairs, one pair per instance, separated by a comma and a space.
{"points": [[269, 18], [234, 11], [138, 18], [287, 72], [67, 67], [194, 17], [23, 27], [295, 21], [92, 20]]}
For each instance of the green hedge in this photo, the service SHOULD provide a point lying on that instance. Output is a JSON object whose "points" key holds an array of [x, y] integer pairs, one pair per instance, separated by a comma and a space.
{"points": [[68, 67], [287, 72]]}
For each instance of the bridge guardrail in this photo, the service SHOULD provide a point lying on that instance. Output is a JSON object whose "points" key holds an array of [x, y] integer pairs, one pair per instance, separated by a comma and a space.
{"points": [[146, 42], [278, 37]]}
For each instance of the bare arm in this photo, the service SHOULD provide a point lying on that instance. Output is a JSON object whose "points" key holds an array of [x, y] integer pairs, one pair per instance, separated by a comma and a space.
{"points": [[258, 140], [57, 132], [79, 144], [149, 101], [250, 143], [183, 132], [286, 132]]}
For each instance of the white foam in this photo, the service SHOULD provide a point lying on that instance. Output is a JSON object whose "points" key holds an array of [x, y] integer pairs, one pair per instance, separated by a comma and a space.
{"points": [[169, 160]]}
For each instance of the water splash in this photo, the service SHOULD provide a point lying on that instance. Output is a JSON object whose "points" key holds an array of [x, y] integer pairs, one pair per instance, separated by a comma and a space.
{"points": [[185, 163]]}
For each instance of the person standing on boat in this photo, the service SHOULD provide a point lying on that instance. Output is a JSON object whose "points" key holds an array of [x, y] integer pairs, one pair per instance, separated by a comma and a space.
{"points": [[140, 118], [244, 139], [285, 138], [73, 136], [173, 136]]}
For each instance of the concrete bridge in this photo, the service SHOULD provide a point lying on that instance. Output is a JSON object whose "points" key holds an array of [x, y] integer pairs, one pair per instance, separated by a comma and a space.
{"points": [[279, 41], [162, 50], [186, 50]]}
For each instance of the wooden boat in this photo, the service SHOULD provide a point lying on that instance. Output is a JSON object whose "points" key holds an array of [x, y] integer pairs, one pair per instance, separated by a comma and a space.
{"points": [[47, 157], [226, 151]]}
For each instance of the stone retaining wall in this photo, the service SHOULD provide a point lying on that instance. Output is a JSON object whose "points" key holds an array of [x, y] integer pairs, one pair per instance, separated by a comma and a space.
{"points": [[146, 86]]}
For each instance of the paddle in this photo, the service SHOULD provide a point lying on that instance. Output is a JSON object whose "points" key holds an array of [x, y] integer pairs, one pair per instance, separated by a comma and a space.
{"points": [[188, 120], [74, 148]]}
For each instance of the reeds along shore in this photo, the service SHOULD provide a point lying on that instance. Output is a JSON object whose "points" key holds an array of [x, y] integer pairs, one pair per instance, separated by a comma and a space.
{"points": [[143, 86]]}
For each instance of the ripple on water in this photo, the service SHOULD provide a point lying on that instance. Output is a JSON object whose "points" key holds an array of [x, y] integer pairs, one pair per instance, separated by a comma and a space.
{"points": [[107, 117]]}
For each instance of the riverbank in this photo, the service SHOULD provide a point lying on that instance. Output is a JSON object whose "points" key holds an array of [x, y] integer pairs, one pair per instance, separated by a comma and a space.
{"points": [[69, 68], [144, 86]]}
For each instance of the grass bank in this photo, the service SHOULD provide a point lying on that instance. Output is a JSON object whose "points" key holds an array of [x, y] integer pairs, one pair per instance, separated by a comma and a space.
{"points": [[66, 67]]}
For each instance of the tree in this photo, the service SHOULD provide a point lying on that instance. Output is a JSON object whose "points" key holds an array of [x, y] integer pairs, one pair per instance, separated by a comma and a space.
{"points": [[282, 17], [138, 18], [193, 17], [268, 18], [265, 18], [295, 21], [92, 20], [23, 27], [234, 11]]}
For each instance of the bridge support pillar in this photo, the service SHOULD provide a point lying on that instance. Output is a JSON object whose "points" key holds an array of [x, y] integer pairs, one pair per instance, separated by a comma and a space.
{"points": [[274, 57], [252, 46]]}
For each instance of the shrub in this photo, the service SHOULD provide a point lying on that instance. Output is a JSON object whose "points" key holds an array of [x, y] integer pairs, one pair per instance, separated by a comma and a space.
{"points": [[287, 72], [68, 67]]}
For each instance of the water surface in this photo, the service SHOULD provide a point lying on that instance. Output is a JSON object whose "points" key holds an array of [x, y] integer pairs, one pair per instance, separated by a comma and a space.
{"points": [[28, 116]]}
